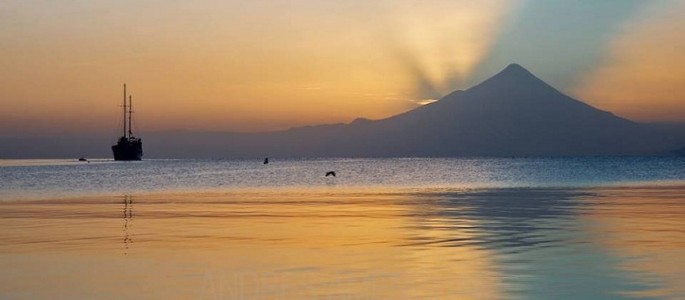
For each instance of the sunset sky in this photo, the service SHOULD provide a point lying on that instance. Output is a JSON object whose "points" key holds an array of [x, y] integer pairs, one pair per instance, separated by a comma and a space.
{"points": [[273, 64]]}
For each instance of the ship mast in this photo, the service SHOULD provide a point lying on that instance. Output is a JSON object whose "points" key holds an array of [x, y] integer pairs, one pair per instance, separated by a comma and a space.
{"points": [[124, 133], [130, 116]]}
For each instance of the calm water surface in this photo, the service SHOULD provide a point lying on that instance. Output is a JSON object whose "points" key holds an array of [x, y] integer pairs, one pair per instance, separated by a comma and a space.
{"points": [[562, 228], [22, 179]]}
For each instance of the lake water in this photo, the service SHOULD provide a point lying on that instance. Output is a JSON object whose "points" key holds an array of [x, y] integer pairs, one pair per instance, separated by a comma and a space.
{"points": [[515, 228], [31, 179]]}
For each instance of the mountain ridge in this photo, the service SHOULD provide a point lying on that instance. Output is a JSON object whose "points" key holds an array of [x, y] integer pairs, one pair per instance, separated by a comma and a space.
{"points": [[513, 113]]}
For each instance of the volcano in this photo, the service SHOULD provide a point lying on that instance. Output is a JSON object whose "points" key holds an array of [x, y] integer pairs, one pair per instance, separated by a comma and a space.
{"points": [[513, 113]]}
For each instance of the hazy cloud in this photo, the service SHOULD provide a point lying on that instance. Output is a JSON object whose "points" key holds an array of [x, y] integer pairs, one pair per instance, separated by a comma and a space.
{"points": [[645, 77], [559, 40]]}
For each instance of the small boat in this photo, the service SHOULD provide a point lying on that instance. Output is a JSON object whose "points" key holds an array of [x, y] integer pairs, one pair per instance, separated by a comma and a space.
{"points": [[82, 159], [128, 147]]}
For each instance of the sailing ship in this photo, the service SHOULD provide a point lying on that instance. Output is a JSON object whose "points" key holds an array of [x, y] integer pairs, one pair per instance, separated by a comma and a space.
{"points": [[128, 147]]}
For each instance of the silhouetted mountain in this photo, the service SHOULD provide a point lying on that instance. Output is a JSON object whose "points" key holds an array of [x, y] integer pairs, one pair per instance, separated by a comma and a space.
{"points": [[511, 114]]}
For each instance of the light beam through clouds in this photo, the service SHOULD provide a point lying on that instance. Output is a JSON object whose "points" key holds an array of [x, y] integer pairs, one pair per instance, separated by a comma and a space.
{"points": [[232, 65], [439, 42], [274, 64], [558, 40]]}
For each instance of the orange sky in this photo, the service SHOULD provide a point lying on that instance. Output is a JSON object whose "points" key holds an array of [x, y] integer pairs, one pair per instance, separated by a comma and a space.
{"points": [[264, 65], [645, 77]]}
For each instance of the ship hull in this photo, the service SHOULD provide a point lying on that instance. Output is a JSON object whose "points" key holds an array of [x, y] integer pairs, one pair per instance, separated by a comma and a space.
{"points": [[128, 149]]}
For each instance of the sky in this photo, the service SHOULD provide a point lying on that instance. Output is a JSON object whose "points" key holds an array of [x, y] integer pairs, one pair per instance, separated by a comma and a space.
{"points": [[274, 64]]}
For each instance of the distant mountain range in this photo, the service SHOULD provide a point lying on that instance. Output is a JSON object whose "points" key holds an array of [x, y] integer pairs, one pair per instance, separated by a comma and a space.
{"points": [[511, 114]]}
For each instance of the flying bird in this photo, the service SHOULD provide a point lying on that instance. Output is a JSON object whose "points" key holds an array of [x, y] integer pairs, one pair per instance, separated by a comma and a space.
{"points": [[330, 173]]}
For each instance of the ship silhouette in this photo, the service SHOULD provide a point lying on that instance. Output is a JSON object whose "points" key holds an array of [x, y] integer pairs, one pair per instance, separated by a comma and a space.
{"points": [[128, 147]]}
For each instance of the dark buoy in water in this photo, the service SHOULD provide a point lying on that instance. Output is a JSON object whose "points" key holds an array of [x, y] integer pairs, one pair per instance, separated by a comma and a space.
{"points": [[330, 173], [266, 160]]}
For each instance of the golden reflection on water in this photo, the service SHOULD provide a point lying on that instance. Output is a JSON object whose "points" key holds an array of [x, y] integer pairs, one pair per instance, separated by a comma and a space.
{"points": [[347, 244], [645, 227], [237, 246]]}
